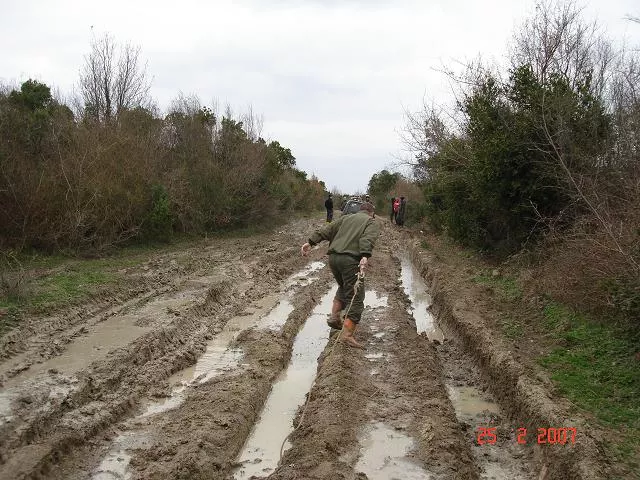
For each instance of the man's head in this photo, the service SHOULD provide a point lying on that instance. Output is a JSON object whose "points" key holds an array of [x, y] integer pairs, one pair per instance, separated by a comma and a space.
{"points": [[367, 207], [401, 198]]}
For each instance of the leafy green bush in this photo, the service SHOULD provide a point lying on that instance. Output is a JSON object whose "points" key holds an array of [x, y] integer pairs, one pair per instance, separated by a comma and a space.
{"points": [[159, 223], [625, 297]]}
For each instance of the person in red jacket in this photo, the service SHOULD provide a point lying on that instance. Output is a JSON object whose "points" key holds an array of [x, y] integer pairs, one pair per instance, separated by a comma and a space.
{"points": [[396, 209]]}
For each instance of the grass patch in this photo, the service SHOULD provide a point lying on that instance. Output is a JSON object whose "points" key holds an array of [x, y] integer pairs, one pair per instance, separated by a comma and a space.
{"points": [[506, 287], [595, 367], [58, 289], [511, 328], [68, 286]]}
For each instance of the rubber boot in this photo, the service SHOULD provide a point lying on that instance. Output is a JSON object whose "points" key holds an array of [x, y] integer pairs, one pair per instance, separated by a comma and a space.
{"points": [[335, 321], [348, 329]]}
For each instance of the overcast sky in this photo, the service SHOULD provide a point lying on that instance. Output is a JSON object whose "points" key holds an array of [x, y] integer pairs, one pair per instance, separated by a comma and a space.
{"points": [[330, 77]]}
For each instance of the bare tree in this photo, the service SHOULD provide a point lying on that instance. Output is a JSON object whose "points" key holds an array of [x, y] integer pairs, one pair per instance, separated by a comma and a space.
{"points": [[112, 79], [557, 41], [252, 123]]}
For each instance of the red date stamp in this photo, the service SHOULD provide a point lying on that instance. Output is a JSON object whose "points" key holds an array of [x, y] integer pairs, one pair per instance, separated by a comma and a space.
{"points": [[549, 436]]}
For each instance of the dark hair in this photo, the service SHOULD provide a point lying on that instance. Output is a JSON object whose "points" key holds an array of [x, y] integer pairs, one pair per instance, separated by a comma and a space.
{"points": [[367, 207]]}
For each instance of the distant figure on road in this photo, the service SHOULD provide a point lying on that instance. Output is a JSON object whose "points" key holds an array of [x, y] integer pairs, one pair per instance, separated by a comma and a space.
{"points": [[392, 213], [402, 210], [351, 241], [328, 204], [396, 209]]}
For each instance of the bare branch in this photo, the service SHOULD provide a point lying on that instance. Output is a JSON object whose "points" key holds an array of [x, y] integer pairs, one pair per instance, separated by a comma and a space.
{"points": [[112, 79]]}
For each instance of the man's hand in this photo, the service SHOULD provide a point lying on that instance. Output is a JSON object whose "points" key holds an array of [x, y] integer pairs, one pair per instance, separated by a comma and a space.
{"points": [[305, 249], [364, 262]]}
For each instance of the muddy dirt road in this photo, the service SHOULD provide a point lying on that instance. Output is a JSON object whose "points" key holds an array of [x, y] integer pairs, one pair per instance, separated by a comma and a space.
{"points": [[203, 372]]}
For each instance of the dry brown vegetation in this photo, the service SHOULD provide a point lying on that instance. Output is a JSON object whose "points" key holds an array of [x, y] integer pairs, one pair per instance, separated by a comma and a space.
{"points": [[113, 169]]}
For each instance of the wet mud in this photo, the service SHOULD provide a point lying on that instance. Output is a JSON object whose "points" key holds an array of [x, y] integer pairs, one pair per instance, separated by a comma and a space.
{"points": [[222, 352]]}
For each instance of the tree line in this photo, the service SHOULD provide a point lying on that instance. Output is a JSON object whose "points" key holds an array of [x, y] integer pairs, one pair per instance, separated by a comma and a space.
{"points": [[107, 168], [545, 153]]}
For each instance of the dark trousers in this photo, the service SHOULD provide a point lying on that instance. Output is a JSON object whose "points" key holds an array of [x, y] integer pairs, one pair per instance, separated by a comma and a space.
{"points": [[329, 214], [345, 270]]}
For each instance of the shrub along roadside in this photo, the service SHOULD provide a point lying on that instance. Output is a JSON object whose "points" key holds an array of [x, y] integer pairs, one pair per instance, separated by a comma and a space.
{"points": [[593, 361], [540, 159], [81, 183]]}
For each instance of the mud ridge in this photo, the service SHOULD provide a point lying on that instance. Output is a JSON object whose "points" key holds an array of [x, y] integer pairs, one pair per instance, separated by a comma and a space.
{"points": [[106, 392], [110, 389], [524, 398], [406, 393], [19, 339], [202, 437]]}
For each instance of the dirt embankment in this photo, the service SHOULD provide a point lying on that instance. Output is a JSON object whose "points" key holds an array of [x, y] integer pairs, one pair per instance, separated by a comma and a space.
{"points": [[523, 391], [95, 376]]}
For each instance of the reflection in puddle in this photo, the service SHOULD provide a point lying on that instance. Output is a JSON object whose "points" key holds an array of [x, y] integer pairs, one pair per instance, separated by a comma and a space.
{"points": [[374, 356], [372, 300], [261, 453], [116, 463], [119, 330], [302, 277], [215, 361], [416, 290], [5, 408], [219, 358], [112, 333], [174, 401], [469, 402], [277, 317], [384, 455]]}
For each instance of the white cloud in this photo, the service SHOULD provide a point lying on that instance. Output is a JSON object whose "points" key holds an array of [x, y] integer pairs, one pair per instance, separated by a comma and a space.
{"points": [[331, 77]]}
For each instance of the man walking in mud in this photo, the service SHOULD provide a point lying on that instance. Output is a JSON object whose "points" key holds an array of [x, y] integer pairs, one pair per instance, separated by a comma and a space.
{"points": [[351, 240]]}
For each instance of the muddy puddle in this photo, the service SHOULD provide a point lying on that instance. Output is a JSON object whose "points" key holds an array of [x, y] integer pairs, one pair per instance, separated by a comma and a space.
{"points": [[303, 277], [477, 409], [268, 313], [470, 403], [5, 407], [219, 356], [473, 407], [416, 289], [116, 463], [373, 300], [218, 359], [385, 454], [277, 317], [374, 356], [113, 333], [99, 337], [261, 453]]}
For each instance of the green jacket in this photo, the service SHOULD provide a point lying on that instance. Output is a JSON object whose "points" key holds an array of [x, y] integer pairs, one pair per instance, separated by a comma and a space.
{"points": [[351, 234]]}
